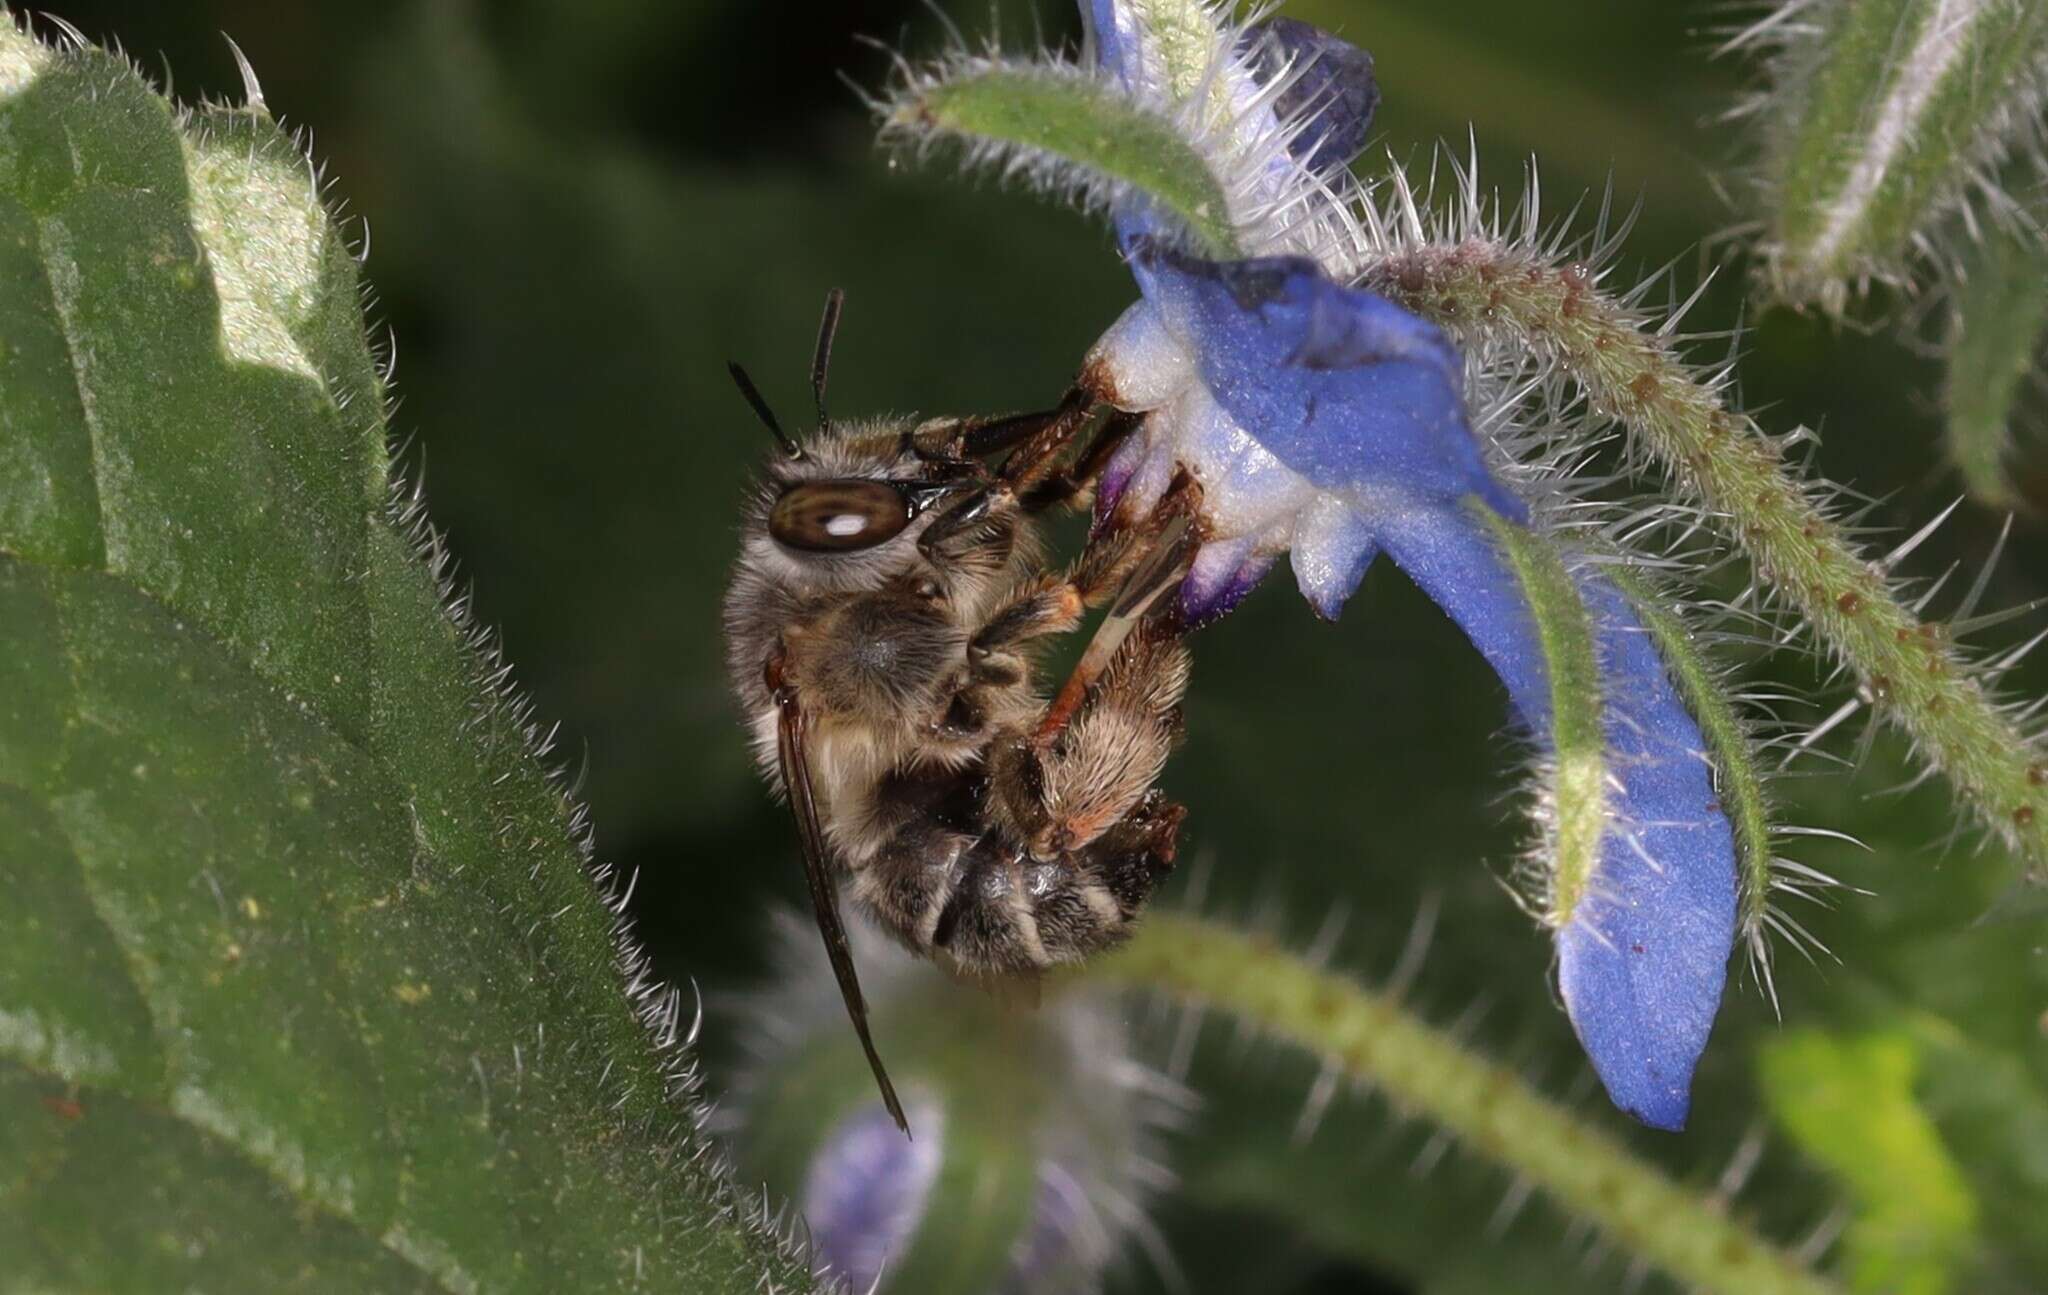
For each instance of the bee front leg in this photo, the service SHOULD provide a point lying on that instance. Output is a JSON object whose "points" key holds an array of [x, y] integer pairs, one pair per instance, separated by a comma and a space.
{"points": [[1039, 438], [1068, 486]]}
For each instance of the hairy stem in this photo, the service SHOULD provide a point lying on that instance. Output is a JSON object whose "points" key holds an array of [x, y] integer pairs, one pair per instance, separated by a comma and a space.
{"points": [[1424, 1070], [1908, 669]]}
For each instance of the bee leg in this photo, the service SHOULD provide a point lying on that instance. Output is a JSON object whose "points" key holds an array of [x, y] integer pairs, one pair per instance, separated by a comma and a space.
{"points": [[959, 444], [1068, 486], [1151, 558], [1064, 795], [1042, 437], [1053, 604]]}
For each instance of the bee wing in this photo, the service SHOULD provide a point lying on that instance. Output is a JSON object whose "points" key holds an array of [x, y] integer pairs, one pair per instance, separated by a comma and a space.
{"points": [[796, 777]]}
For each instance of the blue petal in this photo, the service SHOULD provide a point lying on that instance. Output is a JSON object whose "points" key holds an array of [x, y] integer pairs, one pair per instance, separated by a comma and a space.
{"points": [[1365, 401], [1112, 49], [1334, 92], [1343, 386], [1643, 965], [1643, 961]]}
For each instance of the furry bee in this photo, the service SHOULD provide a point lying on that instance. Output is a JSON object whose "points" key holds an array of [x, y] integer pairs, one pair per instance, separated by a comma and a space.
{"points": [[880, 629]]}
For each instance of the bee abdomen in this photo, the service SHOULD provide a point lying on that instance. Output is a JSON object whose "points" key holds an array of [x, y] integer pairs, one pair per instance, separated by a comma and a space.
{"points": [[990, 908]]}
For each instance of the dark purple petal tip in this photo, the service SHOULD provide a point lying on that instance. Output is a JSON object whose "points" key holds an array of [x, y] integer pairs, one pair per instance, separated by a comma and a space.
{"points": [[1333, 94], [1222, 575]]}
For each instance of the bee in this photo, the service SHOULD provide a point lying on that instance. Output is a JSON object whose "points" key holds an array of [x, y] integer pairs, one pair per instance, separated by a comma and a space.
{"points": [[891, 595]]}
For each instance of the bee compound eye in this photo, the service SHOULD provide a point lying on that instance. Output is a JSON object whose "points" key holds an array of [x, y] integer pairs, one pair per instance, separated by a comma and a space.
{"points": [[841, 516]]}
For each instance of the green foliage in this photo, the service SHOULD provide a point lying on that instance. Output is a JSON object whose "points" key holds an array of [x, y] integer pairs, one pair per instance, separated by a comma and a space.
{"points": [[1038, 111], [1998, 331], [303, 980], [1850, 1105]]}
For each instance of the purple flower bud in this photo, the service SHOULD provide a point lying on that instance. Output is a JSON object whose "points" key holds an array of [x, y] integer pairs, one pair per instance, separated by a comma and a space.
{"points": [[867, 1189], [1031, 1133]]}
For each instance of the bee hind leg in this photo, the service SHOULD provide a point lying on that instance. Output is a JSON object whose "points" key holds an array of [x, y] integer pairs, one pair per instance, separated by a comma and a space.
{"points": [[1096, 769]]}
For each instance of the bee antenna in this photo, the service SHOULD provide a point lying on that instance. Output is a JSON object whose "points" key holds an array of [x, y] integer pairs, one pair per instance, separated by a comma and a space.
{"points": [[762, 411], [821, 360]]}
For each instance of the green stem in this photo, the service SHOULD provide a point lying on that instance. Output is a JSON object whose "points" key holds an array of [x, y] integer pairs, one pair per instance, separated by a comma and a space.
{"points": [[1909, 670], [1423, 1069]]}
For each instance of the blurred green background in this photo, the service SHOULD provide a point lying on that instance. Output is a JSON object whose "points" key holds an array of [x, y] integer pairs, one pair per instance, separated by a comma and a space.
{"points": [[577, 213]]}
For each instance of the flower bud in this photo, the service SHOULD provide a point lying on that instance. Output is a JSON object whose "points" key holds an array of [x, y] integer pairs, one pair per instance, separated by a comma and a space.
{"points": [[1031, 1128]]}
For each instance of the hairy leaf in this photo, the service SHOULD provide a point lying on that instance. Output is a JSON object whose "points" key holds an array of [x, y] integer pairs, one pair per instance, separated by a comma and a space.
{"points": [[303, 978], [1881, 117], [1849, 1104]]}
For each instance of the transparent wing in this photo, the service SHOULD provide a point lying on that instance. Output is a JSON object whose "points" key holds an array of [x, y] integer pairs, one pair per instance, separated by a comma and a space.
{"points": [[796, 776]]}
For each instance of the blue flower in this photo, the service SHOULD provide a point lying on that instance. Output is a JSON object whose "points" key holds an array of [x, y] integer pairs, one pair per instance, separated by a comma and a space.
{"points": [[1328, 423]]}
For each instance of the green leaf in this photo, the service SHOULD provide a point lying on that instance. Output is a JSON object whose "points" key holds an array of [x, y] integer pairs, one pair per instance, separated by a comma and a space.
{"points": [[1060, 124], [1849, 1104], [1997, 328], [303, 977]]}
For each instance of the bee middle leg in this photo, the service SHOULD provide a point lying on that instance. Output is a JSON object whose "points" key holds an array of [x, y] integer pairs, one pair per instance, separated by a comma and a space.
{"points": [[1053, 604], [1043, 605]]}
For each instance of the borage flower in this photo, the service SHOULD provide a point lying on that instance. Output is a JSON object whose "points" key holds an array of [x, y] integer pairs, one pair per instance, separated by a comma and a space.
{"points": [[1327, 423]]}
